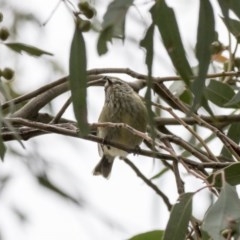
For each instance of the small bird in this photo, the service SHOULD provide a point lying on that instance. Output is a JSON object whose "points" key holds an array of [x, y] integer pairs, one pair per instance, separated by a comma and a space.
{"points": [[122, 105]]}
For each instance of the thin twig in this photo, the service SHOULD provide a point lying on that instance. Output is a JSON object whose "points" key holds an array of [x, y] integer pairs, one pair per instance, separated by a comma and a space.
{"points": [[179, 182], [149, 183], [62, 110], [169, 110], [33, 94]]}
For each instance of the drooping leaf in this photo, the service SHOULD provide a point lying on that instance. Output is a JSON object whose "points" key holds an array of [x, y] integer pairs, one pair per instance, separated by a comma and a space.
{"points": [[205, 36], [164, 18], [223, 215], [219, 93], [113, 25], [45, 182], [2, 145], [147, 43], [153, 235], [104, 37], [31, 50], [179, 218], [78, 80], [231, 174], [2, 149]]}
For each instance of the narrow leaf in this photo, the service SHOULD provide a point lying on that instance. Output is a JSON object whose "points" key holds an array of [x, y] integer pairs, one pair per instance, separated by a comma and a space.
{"points": [[147, 43], [159, 174], [164, 18], [31, 50], [113, 23], [45, 182], [231, 174], [205, 36], [2, 145], [224, 214], [78, 80], [2, 149], [153, 235], [179, 218]]}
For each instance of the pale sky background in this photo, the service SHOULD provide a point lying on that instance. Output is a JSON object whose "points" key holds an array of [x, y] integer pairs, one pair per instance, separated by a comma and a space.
{"points": [[124, 200]]}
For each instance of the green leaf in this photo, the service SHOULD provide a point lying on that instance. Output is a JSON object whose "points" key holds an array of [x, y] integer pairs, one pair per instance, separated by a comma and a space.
{"points": [[205, 36], [233, 133], [153, 235], [234, 101], [231, 175], [234, 5], [206, 106], [31, 50], [164, 18], [113, 23], [104, 37], [158, 175], [147, 43], [233, 26], [219, 93], [179, 218], [2, 148], [224, 214], [2, 145], [45, 182], [78, 80]]}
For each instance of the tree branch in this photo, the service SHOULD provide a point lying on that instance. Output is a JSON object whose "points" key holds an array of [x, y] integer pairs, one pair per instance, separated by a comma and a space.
{"points": [[149, 183]]}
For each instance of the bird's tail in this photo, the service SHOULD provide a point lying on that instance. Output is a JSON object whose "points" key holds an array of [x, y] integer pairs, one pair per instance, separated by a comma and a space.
{"points": [[104, 166]]}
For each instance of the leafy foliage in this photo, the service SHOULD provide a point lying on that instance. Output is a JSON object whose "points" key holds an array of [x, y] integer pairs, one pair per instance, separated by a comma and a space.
{"points": [[213, 85]]}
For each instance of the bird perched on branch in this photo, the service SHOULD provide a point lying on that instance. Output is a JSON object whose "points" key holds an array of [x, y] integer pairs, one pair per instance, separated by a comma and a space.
{"points": [[122, 105]]}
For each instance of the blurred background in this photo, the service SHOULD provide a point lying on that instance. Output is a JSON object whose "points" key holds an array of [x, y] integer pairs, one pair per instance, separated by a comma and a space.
{"points": [[47, 190]]}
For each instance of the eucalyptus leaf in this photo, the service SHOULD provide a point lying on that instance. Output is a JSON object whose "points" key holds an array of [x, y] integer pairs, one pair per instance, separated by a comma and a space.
{"points": [[113, 25], [164, 18], [45, 182], [231, 175], [31, 50], [205, 37], [234, 101], [233, 5], [159, 174], [147, 43], [219, 93], [224, 214], [152, 235], [179, 218], [78, 80]]}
